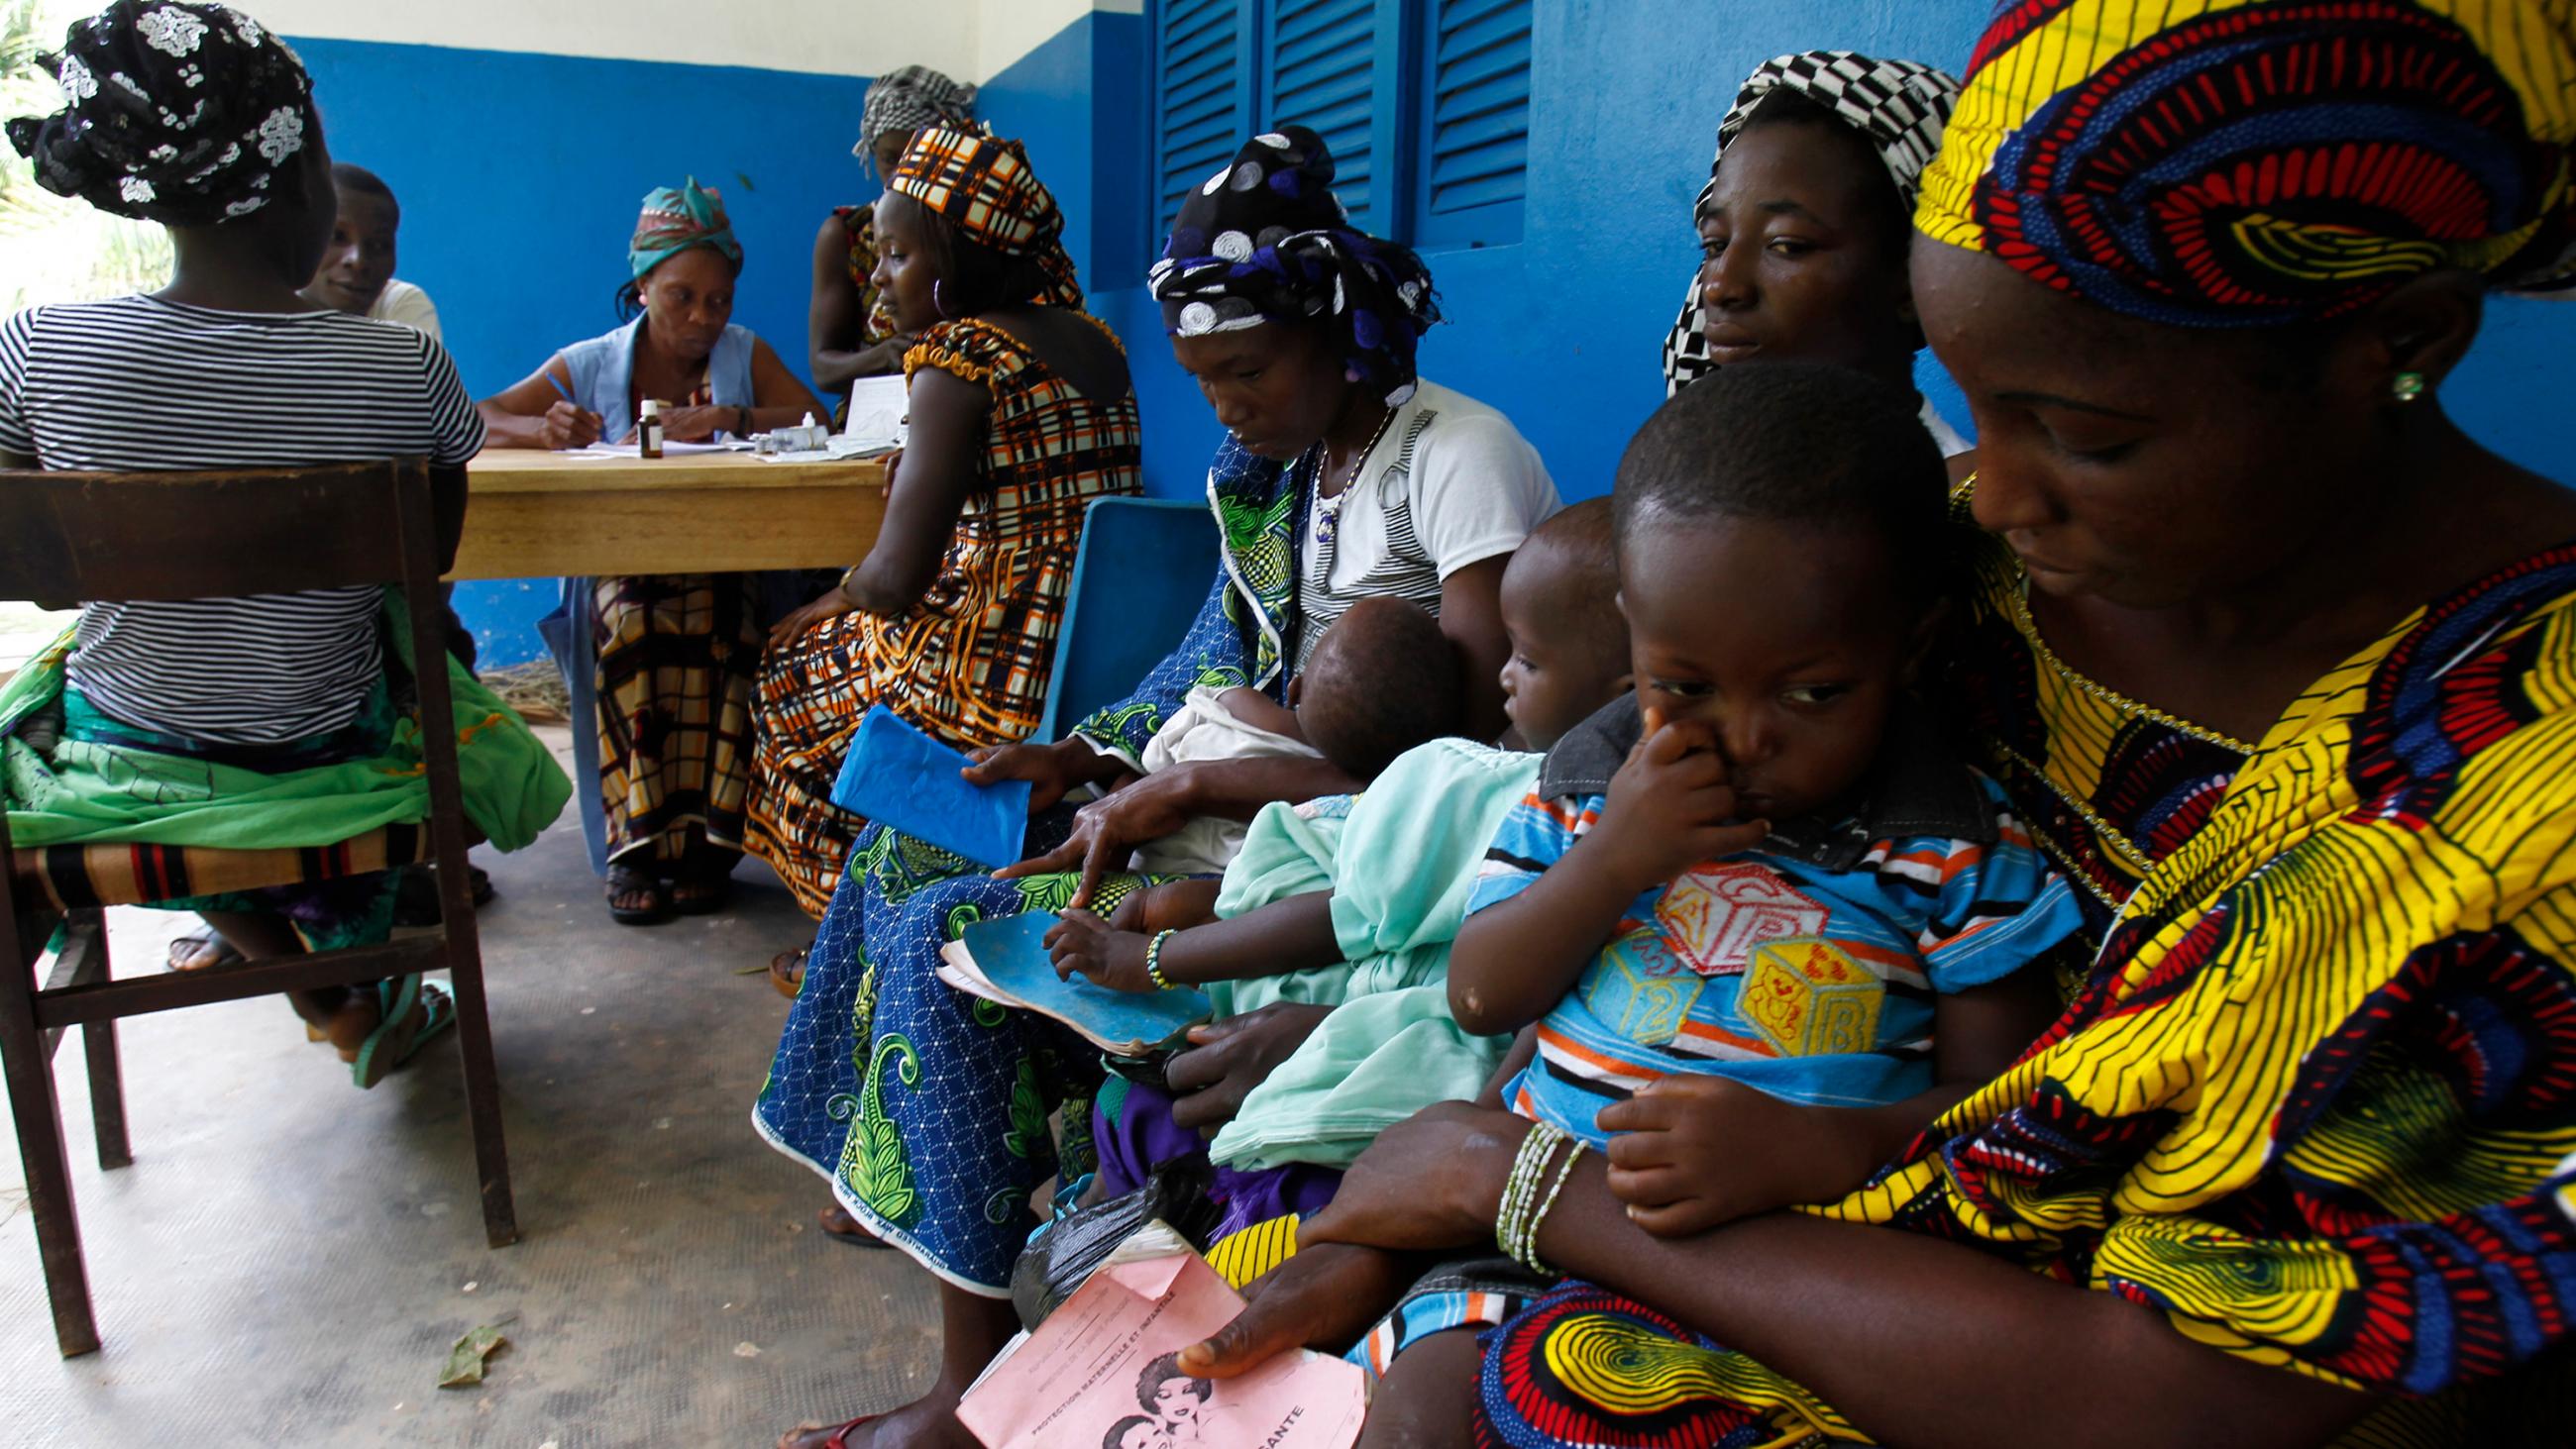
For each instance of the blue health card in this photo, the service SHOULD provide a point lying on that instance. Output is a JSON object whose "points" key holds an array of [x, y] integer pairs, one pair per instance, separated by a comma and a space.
{"points": [[904, 779], [1012, 954]]}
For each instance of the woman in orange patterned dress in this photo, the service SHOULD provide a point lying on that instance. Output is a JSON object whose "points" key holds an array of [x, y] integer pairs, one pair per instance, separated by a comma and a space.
{"points": [[1022, 413]]}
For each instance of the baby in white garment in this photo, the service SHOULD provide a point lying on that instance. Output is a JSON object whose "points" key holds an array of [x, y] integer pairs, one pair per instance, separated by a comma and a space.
{"points": [[1382, 680]]}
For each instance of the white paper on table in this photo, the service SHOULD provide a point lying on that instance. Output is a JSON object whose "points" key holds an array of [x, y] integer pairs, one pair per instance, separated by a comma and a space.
{"points": [[628, 451], [1079, 1379], [880, 409]]}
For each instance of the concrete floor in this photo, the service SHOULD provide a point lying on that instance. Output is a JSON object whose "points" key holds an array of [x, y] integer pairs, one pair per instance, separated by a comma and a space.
{"points": [[289, 1259]]}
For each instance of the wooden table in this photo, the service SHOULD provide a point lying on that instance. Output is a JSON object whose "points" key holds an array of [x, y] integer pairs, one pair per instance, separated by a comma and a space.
{"points": [[536, 514]]}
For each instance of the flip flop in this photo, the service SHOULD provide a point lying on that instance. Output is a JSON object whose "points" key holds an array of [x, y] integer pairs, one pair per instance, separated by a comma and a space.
{"points": [[862, 1238], [621, 882], [787, 971], [702, 897], [840, 1437], [416, 896], [223, 951], [414, 1012]]}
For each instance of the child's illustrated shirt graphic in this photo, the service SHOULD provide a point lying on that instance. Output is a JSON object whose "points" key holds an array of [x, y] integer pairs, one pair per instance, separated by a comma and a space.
{"points": [[1807, 968]]}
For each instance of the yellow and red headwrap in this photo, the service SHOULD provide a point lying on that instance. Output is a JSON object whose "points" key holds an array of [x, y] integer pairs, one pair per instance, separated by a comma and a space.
{"points": [[2232, 163], [985, 187]]}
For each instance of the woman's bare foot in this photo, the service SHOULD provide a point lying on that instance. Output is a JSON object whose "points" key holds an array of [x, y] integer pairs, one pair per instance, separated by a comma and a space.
{"points": [[203, 951], [972, 1329], [343, 1016], [928, 1422]]}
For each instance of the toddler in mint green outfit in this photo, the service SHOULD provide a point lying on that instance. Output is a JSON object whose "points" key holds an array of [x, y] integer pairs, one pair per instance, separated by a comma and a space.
{"points": [[1351, 902]]}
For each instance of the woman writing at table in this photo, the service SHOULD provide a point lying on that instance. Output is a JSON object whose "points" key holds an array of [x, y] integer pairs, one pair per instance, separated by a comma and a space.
{"points": [[671, 657]]}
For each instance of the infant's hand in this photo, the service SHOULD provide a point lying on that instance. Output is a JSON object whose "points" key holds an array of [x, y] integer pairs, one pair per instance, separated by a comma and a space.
{"points": [[1688, 1153], [1174, 905], [1669, 806], [1081, 941]]}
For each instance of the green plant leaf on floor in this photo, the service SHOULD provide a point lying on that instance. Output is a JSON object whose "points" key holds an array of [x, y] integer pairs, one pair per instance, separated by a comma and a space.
{"points": [[465, 1360]]}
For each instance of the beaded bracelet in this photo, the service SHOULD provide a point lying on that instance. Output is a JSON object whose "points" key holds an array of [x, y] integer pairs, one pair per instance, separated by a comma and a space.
{"points": [[1529, 1234], [1520, 1190], [1154, 961]]}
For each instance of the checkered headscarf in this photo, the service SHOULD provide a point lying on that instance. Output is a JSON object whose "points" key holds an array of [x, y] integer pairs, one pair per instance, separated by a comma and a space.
{"points": [[1899, 105], [909, 99], [985, 188]]}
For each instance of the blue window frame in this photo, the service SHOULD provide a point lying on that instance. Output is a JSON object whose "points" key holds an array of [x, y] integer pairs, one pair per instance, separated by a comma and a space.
{"points": [[1201, 49], [1424, 102], [1472, 174]]}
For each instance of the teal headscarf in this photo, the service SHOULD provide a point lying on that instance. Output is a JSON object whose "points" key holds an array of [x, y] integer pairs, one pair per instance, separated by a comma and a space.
{"points": [[677, 218]]}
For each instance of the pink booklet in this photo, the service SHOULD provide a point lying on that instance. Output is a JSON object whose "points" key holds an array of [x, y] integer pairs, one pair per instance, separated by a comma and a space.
{"points": [[1100, 1371]]}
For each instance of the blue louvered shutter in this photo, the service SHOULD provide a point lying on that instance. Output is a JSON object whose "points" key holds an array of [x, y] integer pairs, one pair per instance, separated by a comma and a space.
{"points": [[1333, 65], [1202, 55], [1472, 176]]}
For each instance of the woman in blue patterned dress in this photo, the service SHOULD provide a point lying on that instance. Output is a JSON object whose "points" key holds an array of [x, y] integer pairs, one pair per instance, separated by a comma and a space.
{"points": [[927, 1109]]}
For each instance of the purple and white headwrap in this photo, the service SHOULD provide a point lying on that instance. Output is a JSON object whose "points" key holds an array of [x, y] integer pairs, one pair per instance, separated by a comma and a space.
{"points": [[1265, 240], [178, 113]]}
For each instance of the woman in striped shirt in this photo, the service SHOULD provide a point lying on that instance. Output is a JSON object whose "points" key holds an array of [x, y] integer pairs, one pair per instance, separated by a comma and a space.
{"points": [[228, 367]]}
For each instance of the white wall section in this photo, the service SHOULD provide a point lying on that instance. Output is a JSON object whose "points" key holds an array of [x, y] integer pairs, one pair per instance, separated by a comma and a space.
{"points": [[971, 39], [1006, 30]]}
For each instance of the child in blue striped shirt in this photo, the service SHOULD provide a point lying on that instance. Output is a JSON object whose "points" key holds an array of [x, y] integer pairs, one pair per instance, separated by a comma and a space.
{"points": [[1762, 924]]}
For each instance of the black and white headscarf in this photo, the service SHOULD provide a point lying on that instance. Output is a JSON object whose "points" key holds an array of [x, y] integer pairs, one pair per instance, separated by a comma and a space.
{"points": [[178, 113], [912, 98], [1899, 105], [1266, 240]]}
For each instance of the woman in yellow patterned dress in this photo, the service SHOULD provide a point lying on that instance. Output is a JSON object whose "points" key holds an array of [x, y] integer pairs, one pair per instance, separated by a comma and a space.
{"points": [[2280, 666]]}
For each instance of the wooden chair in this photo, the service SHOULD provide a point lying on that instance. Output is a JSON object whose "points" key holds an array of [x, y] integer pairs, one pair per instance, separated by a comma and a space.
{"points": [[204, 535]]}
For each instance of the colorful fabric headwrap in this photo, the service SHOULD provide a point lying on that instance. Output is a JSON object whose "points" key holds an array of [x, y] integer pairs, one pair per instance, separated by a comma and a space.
{"points": [[1266, 240], [986, 189], [180, 114], [677, 218], [1899, 105], [2219, 163], [910, 99]]}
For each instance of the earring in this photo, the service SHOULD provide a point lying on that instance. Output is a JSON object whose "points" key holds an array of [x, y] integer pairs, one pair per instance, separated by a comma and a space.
{"points": [[939, 296], [2406, 387]]}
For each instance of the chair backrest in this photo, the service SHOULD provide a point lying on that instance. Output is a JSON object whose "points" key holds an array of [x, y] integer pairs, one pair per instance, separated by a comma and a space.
{"points": [[69, 536], [1141, 574]]}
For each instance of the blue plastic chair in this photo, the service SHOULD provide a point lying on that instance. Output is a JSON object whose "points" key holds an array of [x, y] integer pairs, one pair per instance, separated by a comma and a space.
{"points": [[1138, 580]]}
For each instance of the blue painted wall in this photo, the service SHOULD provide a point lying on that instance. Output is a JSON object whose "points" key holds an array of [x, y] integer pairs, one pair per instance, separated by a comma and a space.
{"points": [[1562, 330], [520, 177]]}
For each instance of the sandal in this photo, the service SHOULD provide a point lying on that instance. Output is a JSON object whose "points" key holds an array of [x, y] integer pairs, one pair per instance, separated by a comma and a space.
{"points": [[802, 1436], [704, 896], [414, 1011], [210, 951], [787, 971], [623, 882], [416, 894], [853, 1234]]}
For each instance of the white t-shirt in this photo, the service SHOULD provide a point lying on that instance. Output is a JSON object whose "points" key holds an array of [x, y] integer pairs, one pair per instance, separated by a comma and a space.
{"points": [[402, 302], [1450, 483]]}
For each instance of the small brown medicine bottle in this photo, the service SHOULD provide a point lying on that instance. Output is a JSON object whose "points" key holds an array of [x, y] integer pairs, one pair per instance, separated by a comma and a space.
{"points": [[648, 429]]}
